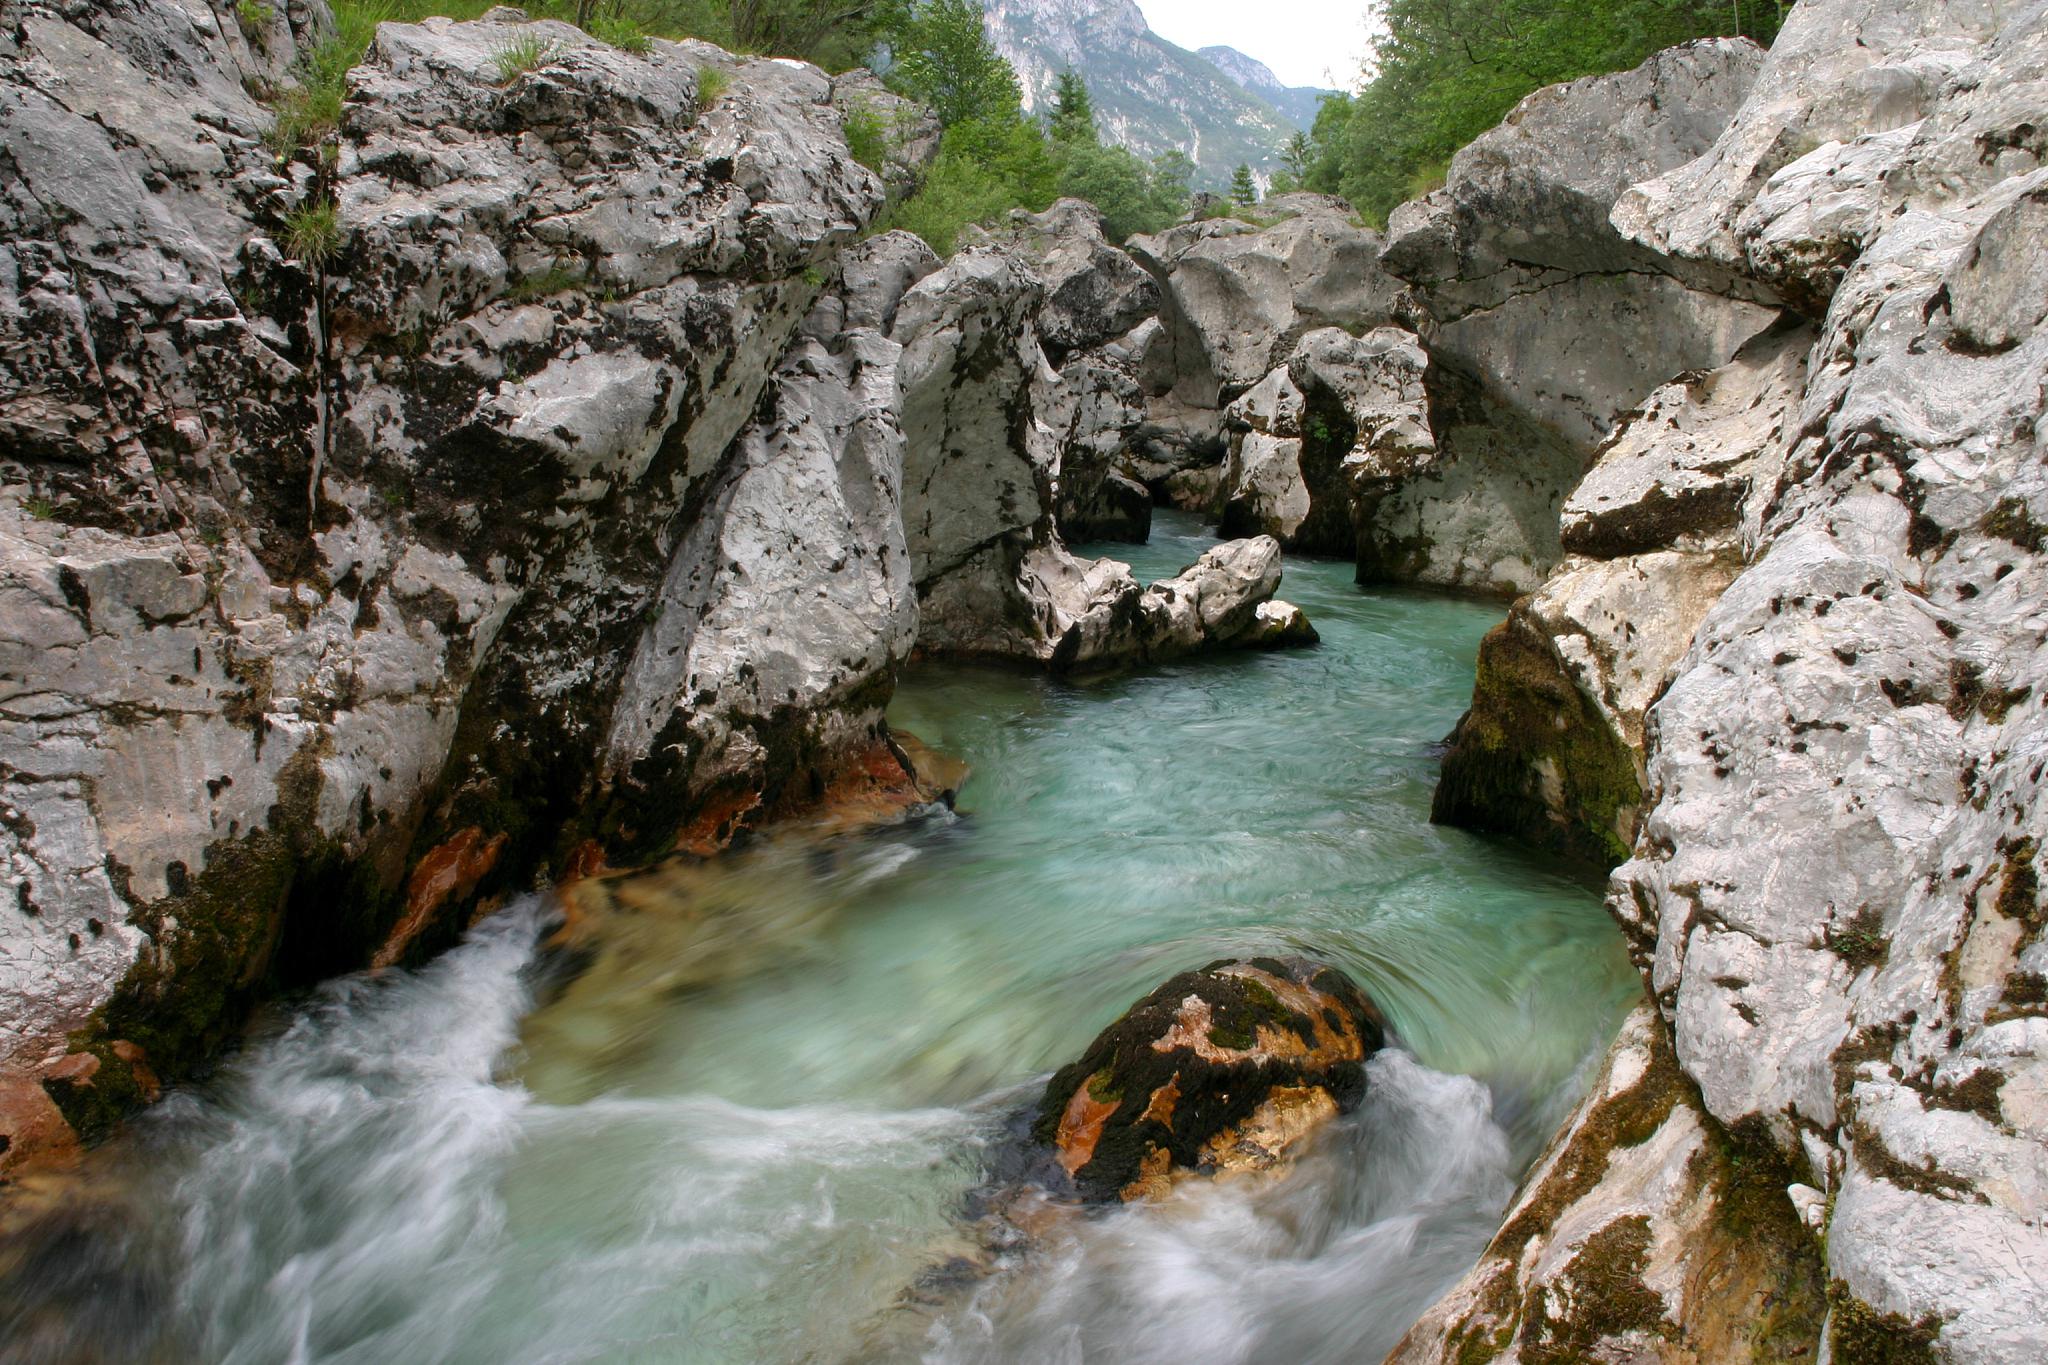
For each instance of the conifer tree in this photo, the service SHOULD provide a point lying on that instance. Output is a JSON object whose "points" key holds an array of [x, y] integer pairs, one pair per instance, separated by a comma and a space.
{"points": [[1073, 113], [1244, 191]]}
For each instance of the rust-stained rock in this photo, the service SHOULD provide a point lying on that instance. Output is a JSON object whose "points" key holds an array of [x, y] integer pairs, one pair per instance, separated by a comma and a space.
{"points": [[451, 869], [1226, 1068]]}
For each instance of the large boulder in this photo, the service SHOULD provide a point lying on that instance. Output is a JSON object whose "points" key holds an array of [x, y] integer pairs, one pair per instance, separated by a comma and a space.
{"points": [[1228, 1068], [1094, 292], [1042, 605], [1514, 254], [1552, 751], [1833, 892], [1856, 103], [1236, 297], [1641, 1234], [345, 492], [1316, 442]]}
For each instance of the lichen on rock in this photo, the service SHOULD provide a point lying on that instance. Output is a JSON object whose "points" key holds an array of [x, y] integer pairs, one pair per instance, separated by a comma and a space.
{"points": [[1226, 1068]]}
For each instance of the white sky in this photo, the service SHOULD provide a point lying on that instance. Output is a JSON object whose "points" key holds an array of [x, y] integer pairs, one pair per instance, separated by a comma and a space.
{"points": [[1306, 42]]}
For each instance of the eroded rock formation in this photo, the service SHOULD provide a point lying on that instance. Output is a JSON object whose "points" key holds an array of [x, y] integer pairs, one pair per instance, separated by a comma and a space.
{"points": [[1830, 887], [536, 471]]}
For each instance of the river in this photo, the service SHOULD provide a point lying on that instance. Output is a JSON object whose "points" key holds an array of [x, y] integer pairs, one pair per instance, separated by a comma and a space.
{"points": [[752, 1127]]}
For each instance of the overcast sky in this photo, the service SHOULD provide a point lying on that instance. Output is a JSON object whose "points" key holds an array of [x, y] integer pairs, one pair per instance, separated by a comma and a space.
{"points": [[1306, 42]]}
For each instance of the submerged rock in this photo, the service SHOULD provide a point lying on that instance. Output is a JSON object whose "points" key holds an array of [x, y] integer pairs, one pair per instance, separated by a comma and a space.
{"points": [[1223, 1069]]}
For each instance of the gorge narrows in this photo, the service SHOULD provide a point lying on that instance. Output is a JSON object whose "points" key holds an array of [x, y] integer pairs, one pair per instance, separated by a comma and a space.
{"points": [[754, 1125]]}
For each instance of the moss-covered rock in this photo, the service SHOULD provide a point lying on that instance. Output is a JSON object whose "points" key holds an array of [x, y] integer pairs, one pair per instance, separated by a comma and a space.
{"points": [[1536, 758], [1227, 1067]]}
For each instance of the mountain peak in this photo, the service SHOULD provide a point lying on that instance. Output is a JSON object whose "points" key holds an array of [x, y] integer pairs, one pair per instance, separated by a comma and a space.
{"points": [[1149, 94], [1249, 72]]}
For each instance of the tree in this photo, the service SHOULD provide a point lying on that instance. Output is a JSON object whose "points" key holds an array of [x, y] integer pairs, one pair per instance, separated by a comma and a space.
{"points": [[1073, 113], [1244, 191], [945, 60], [1297, 156]]}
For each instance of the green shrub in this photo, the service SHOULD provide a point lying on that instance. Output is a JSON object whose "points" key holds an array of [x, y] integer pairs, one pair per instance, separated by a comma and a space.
{"points": [[867, 136], [516, 56], [622, 33], [712, 81], [312, 232], [253, 17]]}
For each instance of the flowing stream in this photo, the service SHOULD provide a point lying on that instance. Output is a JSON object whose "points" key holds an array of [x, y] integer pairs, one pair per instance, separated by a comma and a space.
{"points": [[752, 1128]]}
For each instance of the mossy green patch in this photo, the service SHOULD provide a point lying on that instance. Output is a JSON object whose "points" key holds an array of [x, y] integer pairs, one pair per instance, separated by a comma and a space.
{"points": [[1862, 1335], [1607, 1300], [1860, 940], [1535, 759]]}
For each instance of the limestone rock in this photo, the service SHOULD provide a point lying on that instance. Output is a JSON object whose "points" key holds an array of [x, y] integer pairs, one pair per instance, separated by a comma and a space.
{"points": [[1223, 1069], [1833, 894], [1094, 292], [1644, 1233], [1236, 298], [1680, 470], [1089, 411], [1482, 516], [1789, 190], [1345, 418], [908, 132], [1515, 253], [338, 565]]}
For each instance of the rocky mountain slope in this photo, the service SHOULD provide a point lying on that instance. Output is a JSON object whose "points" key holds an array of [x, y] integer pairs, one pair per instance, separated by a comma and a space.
{"points": [[1296, 103], [1150, 95]]}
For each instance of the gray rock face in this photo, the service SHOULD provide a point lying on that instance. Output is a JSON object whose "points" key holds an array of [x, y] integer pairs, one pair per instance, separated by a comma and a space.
{"points": [[1324, 435], [1832, 891], [1791, 188], [1236, 298], [1094, 292], [1639, 1235], [988, 423], [1515, 249], [418, 556]]}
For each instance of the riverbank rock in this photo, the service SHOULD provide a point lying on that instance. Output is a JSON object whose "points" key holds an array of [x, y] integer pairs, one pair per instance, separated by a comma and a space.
{"points": [[1224, 1069], [1543, 324], [1832, 891], [1315, 443], [1644, 1233], [1553, 750], [333, 555], [1515, 252], [1236, 296]]}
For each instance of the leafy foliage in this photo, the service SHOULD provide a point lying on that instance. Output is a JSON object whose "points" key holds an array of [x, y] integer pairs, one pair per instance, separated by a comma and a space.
{"points": [[1448, 70], [945, 60], [992, 158]]}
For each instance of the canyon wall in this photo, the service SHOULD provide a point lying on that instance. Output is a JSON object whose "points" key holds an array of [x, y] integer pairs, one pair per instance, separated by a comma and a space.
{"points": [[533, 470], [1790, 676]]}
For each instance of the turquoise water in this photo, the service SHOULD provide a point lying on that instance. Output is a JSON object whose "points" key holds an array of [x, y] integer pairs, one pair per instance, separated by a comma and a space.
{"points": [[749, 1129]]}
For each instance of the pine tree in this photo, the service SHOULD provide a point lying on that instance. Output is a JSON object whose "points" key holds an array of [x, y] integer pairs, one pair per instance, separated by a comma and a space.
{"points": [[1244, 191], [1073, 113]]}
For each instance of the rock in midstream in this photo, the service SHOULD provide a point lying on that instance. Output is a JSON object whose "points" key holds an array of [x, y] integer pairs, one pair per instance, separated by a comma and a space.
{"points": [[1223, 1069]]}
